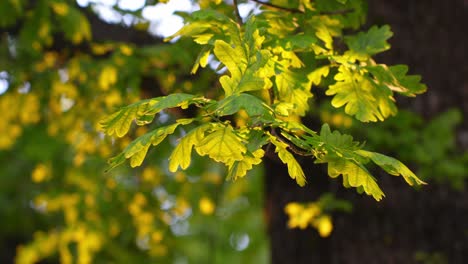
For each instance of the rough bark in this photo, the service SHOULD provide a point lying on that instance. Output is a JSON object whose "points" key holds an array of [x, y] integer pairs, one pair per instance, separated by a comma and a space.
{"points": [[430, 36]]}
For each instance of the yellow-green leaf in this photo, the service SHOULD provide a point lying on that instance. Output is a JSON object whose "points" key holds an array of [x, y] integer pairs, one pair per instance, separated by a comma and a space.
{"points": [[222, 145], [239, 168], [294, 169], [136, 151], [392, 166], [355, 176], [202, 59], [181, 156], [119, 122], [294, 88], [236, 62]]}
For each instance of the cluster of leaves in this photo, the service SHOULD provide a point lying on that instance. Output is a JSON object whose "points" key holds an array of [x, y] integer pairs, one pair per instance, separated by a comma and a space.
{"points": [[270, 85], [53, 156], [315, 214], [249, 108]]}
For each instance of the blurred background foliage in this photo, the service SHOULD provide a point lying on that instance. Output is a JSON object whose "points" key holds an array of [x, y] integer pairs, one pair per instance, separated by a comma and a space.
{"points": [[65, 64]]}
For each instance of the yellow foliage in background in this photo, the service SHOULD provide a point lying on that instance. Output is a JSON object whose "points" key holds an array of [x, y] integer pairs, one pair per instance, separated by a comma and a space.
{"points": [[310, 214]]}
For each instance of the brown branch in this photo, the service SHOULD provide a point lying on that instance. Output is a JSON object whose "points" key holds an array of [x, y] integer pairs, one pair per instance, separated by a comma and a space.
{"points": [[337, 12], [295, 10], [107, 32], [236, 10], [292, 10]]}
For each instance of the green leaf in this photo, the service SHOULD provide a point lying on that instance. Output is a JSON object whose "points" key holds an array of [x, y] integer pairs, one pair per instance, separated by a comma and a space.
{"points": [[239, 168], [411, 83], [395, 78], [181, 156], [392, 166], [339, 142], [374, 41], [119, 122], [354, 175], [143, 112], [318, 74], [325, 35], [205, 26], [243, 68], [294, 88], [173, 100], [294, 169], [363, 99], [202, 59], [236, 62], [299, 42], [251, 104], [222, 145], [137, 149]]}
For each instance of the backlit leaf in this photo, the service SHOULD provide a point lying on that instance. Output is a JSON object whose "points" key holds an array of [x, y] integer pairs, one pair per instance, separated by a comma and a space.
{"points": [[143, 112], [181, 156], [355, 176], [119, 122], [137, 149], [222, 145], [369, 43], [361, 97], [295, 89], [392, 166], [239, 168], [294, 169], [395, 78], [251, 104]]}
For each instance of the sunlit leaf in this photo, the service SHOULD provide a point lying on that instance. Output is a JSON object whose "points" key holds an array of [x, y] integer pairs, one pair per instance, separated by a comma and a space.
{"points": [[295, 89], [251, 104], [119, 122], [222, 145], [392, 166], [181, 155], [395, 78], [136, 151], [361, 97], [371, 42], [355, 176], [240, 168], [294, 169]]}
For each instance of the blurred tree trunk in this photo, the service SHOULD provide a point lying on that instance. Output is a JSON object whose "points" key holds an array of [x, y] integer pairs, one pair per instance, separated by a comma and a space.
{"points": [[430, 36]]}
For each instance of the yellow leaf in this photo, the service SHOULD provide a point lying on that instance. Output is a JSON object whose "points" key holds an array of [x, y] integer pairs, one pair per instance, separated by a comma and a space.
{"points": [[222, 145], [294, 169], [240, 168], [138, 157], [119, 122], [40, 173], [60, 9], [181, 156], [206, 206], [108, 77], [324, 225], [355, 176]]}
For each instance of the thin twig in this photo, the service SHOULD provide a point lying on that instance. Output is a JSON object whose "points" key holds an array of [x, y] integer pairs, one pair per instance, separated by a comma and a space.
{"points": [[337, 12], [291, 146], [271, 94], [292, 10], [295, 10], [236, 9]]}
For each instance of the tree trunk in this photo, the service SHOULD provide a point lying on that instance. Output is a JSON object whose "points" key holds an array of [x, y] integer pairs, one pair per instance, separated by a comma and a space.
{"points": [[408, 226]]}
